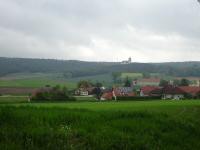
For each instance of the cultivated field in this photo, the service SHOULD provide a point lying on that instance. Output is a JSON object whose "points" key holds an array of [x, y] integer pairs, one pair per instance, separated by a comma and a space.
{"points": [[131, 75], [101, 125], [41, 80]]}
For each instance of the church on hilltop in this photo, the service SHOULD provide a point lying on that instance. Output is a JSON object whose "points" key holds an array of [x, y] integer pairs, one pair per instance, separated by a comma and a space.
{"points": [[129, 61]]}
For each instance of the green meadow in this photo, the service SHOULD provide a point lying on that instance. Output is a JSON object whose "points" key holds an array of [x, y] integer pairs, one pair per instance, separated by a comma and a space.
{"points": [[40, 80], [35, 83], [131, 75], [140, 125]]}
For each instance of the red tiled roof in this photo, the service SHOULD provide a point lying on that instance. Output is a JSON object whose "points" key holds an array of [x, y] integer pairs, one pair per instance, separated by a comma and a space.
{"points": [[172, 90], [190, 89], [108, 95], [148, 89], [168, 90], [157, 91]]}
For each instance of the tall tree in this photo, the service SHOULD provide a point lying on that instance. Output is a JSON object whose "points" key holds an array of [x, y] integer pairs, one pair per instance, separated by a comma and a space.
{"points": [[146, 75], [127, 82], [185, 82], [116, 76], [177, 82], [163, 83], [84, 84]]}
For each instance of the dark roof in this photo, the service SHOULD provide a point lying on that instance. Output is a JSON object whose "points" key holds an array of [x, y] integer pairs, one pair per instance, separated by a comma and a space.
{"points": [[122, 91], [172, 90], [168, 90], [148, 89]]}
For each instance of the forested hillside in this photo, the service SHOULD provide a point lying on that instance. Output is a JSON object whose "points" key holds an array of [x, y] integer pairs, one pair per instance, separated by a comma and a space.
{"points": [[80, 68]]}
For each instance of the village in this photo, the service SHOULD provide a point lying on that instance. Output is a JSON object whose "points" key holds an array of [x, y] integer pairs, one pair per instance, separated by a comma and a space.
{"points": [[154, 89], [128, 89]]}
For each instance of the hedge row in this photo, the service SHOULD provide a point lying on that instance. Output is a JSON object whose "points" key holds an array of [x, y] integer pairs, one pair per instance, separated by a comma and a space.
{"points": [[136, 98]]}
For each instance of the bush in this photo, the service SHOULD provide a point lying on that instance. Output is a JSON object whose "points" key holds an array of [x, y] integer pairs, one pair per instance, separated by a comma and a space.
{"points": [[136, 98], [189, 96], [52, 94]]}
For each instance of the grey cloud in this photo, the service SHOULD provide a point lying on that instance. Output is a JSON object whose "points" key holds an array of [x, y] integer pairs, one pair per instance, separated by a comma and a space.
{"points": [[87, 29]]}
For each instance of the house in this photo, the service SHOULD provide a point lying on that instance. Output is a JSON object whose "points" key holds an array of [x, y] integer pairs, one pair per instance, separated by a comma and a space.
{"points": [[172, 92], [169, 92], [117, 92], [193, 91], [123, 91], [107, 95], [157, 92], [84, 91], [146, 90]]}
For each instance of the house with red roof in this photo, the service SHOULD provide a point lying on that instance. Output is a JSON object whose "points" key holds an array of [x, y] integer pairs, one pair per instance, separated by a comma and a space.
{"points": [[146, 90], [108, 95], [118, 92], [193, 91], [169, 92], [172, 92]]}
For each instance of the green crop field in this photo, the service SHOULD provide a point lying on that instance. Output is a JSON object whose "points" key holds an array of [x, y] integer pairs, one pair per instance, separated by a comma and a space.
{"points": [[101, 125], [131, 75], [35, 83], [40, 80], [13, 99]]}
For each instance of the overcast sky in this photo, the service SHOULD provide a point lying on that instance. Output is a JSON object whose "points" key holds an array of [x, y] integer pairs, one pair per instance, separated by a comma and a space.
{"points": [[101, 30]]}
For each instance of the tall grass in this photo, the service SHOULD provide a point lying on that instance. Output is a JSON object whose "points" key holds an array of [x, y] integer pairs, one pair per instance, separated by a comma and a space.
{"points": [[28, 127]]}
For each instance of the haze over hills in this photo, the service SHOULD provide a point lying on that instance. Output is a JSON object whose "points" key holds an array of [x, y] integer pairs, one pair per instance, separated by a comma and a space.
{"points": [[76, 68]]}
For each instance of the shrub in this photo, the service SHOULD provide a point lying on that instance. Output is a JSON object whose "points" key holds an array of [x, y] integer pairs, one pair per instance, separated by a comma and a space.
{"points": [[136, 98], [189, 96], [52, 94]]}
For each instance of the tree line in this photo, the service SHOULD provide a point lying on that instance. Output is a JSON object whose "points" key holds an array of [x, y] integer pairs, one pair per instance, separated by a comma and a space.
{"points": [[72, 68]]}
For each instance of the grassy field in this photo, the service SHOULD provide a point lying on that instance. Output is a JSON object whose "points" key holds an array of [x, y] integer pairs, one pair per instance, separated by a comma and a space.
{"points": [[13, 99], [35, 83], [101, 125], [131, 75], [40, 80]]}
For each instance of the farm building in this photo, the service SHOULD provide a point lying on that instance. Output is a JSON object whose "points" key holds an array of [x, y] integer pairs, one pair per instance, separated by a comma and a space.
{"points": [[84, 91], [118, 92], [172, 92], [193, 91], [124, 91], [146, 90], [169, 92], [107, 95]]}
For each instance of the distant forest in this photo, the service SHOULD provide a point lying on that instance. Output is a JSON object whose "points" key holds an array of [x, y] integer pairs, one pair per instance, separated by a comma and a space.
{"points": [[74, 68]]}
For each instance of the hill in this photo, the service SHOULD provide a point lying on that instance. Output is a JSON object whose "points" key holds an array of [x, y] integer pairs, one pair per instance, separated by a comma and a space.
{"points": [[73, 68]]}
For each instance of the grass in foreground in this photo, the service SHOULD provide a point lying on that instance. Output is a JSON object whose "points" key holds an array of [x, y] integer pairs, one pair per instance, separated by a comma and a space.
{"points": [[101, 125]]}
